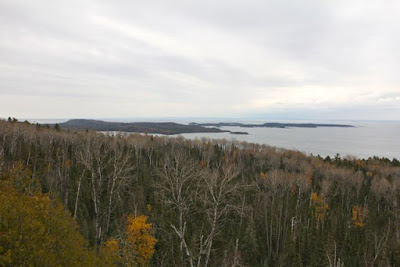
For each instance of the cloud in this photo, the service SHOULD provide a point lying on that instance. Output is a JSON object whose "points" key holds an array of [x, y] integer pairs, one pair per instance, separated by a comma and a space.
{"points": [[208, 58]]}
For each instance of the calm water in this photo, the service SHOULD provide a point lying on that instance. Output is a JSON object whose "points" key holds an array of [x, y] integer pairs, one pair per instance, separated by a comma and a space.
{"points": [[365, 140]]}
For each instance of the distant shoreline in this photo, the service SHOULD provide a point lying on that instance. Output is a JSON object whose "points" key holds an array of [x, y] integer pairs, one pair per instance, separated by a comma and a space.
{"points": [[172, 128], [272, 125], [166, 128]]}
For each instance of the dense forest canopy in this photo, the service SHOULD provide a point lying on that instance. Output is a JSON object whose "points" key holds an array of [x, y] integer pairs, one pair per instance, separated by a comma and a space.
{"points": [[145, 200]]}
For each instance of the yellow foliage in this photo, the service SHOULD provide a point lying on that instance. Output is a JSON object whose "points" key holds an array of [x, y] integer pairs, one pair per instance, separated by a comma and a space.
{"points": [[320, 207], [36, 230], [110, 252], [111, 246], [20, 178], [314, 197], [135, 248], [357, 216], [149, 207], [140, 239]]}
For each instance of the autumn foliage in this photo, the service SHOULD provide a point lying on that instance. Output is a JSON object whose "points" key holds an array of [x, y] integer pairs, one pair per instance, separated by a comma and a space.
{"points": [[135, 246], [210, 203], [320, 207], [35, 229], [140, 239], [111, 251], [357, 216]]}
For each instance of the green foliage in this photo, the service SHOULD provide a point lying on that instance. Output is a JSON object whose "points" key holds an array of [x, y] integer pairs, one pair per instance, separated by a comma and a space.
{"points": [[259, 205]]}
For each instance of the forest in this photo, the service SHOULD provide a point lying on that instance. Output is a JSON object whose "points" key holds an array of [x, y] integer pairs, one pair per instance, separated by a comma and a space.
{"points": [[165, 128], [81, 198]]}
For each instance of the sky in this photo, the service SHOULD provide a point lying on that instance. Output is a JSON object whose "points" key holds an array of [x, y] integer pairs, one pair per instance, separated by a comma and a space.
{"points": [[272, 59]]}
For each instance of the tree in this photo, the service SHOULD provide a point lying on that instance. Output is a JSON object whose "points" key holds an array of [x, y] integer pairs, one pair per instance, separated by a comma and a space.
{"points": [[140, 241], [219, 193], [179, 177], [36, 229], [107, 163]]}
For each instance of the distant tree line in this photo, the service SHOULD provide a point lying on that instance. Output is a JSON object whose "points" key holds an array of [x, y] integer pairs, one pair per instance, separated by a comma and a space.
{"points": [[143, 200]]}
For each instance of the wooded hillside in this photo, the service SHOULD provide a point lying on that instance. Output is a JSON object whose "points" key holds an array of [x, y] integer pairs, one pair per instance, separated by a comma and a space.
{"points": [[166, 128], [137, 200]]}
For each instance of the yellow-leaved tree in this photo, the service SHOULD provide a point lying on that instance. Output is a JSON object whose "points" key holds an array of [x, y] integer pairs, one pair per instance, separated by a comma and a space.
{"points": [[140, 240], [111, 251], [36, 229], [357, 216], [136, 245], [320, 207]]}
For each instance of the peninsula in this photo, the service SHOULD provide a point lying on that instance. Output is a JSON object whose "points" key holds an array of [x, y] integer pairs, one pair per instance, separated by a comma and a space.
{"points": [[167, 128]]}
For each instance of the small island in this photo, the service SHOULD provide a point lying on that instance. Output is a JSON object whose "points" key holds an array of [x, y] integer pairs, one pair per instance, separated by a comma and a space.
{"points": [[270, 125], [239, 133]]}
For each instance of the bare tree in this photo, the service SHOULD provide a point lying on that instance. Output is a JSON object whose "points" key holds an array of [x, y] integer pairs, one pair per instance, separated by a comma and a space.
{"points": [[219, 189], [108, 165], [179, 178], [121, 167]]}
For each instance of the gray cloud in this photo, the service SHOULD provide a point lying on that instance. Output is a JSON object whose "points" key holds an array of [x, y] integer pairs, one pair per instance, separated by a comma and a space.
{"points": [[208, 58]]}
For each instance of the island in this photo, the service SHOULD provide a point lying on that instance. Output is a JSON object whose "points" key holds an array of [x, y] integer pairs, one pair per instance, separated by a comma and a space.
{"points": [[171, 128], [240, 133], [269, 125], [166, 128]]}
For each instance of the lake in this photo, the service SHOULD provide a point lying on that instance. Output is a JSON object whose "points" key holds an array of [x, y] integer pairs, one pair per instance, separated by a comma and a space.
{"points": [[365, 140]]}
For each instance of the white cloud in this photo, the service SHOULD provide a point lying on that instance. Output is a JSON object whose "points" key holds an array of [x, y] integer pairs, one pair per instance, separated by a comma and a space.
{"points": [[208, 58]]}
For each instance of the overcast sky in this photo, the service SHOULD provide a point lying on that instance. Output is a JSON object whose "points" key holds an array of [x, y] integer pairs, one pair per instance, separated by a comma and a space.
{"points": [[211, 58]]}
